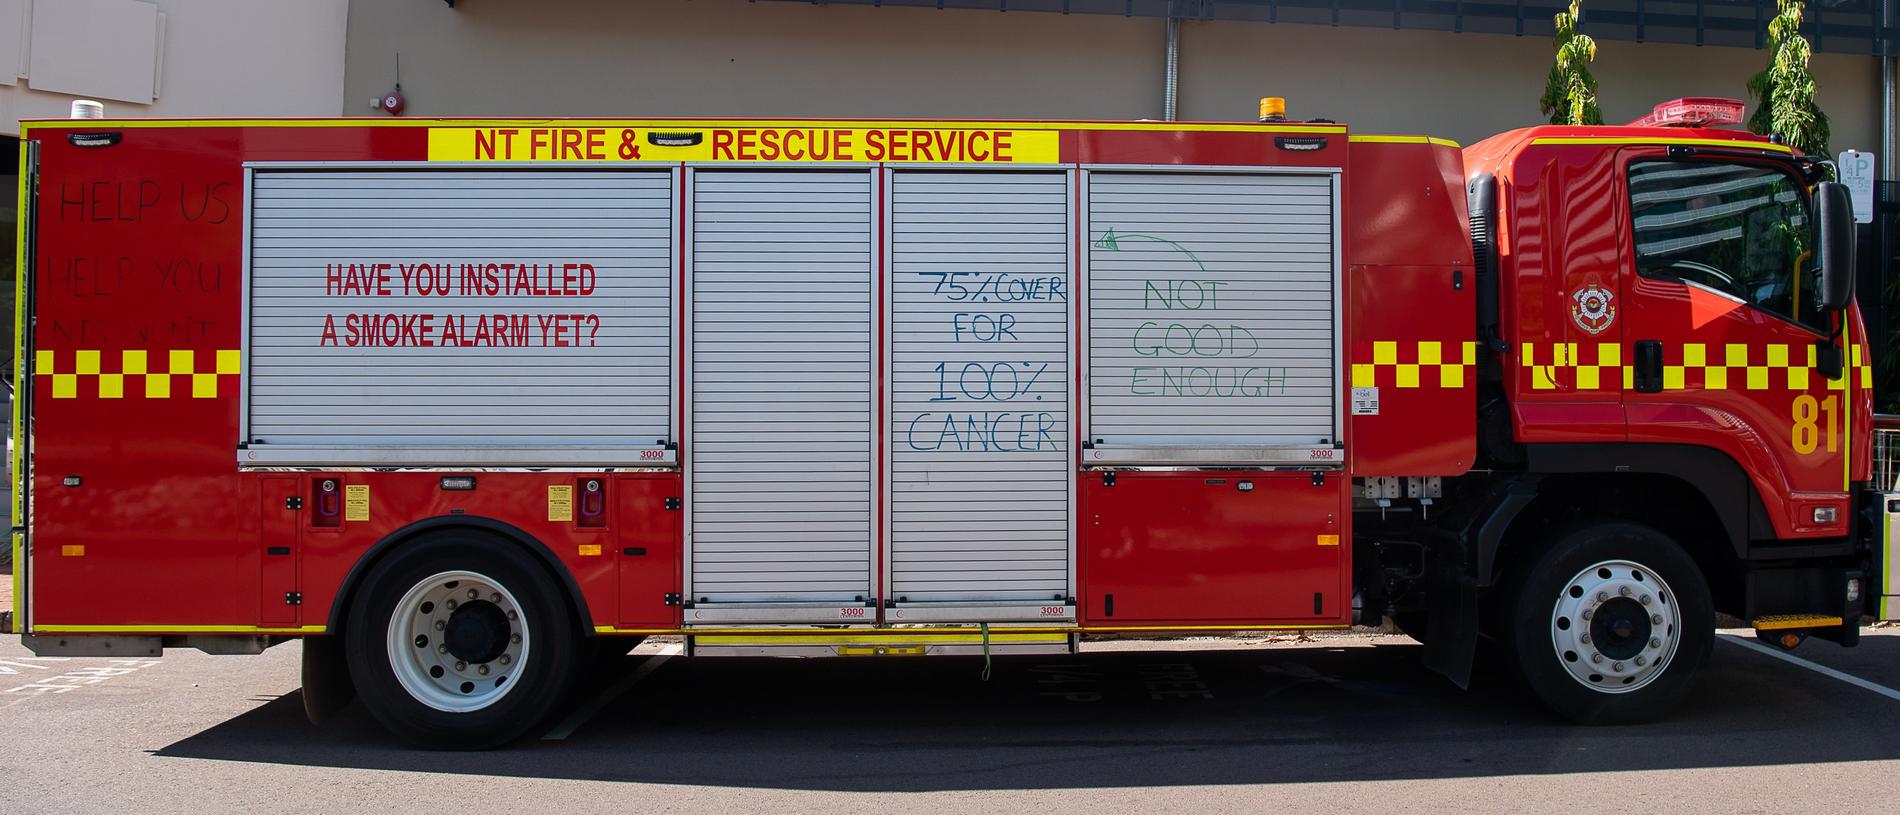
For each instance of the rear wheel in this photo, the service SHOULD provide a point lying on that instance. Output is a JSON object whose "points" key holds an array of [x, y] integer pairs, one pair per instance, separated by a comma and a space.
{"points": [[1610, 623], [460, 641]]}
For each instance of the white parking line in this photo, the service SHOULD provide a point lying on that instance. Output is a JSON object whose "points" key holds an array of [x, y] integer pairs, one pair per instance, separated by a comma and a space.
{"points": [[570, 724], [1823, 670]]}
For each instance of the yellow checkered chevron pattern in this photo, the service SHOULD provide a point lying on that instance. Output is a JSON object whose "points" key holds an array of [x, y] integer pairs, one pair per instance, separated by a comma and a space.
{"points": [[1703, 366], [150, 373], [1434, 365], [1605, 370]]}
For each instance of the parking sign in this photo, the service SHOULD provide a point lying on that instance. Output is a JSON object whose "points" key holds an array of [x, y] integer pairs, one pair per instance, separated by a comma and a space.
{"points": [[1857, 172]]}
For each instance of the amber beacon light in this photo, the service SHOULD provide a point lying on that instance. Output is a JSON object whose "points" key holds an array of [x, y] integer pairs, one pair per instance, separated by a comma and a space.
{"points": [[1273, 109]]}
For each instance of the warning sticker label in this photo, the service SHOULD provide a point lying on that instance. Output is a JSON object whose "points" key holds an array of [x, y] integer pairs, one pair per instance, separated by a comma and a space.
{"points": [[1365, 401], [560, 502], [356, 502]]}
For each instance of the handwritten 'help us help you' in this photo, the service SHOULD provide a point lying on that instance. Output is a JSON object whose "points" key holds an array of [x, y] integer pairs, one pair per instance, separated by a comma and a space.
{"points": [[462, 324]]}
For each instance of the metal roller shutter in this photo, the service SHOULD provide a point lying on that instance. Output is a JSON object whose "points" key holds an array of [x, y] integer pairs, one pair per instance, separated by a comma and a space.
{"points": [[1211, 313], [979, 405], [780, 443], [539, 361]]}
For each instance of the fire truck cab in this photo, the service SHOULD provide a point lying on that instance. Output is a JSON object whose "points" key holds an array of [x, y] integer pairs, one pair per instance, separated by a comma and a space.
{"points": [[465, 405]]}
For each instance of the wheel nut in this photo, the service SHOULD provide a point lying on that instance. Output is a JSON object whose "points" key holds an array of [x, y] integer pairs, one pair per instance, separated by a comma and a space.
{"points": [[514, 638], [1655, 643], [482, 669], [450, 604], [504, 659], [442, 649], [1641, 661], [474, 593], [1645, 599], [512, 615], [1585, 639], [1596, 657], [1602, 596], [495, 598], [439, 625], [1616, 666], [1625, 591], [1655, 619], [1588, 613], [460, 665]]}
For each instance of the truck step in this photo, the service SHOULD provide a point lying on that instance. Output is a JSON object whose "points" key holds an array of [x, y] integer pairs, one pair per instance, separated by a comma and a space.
{"points": [[893, 644], [1783, 622]]}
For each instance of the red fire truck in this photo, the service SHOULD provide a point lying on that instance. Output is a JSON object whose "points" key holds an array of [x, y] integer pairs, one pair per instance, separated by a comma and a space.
{"points": [[466, 404]]}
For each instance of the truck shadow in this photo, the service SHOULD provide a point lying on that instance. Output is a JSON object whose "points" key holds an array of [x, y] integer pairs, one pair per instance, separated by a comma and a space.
{"points": [[1114, 719]]}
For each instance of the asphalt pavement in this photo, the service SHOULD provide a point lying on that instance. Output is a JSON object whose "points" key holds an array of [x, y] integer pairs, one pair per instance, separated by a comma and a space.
{"points": [[1199, 726]]}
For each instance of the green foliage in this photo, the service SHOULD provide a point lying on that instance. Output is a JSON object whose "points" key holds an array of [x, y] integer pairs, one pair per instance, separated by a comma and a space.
{"points": [[1784, 91], [1570, 94]]}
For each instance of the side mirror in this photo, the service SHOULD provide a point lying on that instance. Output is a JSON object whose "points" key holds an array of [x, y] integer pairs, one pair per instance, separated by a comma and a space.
{"points": [[1836, 248]]}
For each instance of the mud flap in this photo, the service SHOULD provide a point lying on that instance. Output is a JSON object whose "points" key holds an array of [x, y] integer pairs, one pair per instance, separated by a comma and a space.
{"points": [[326, 679], [1451, 641]]}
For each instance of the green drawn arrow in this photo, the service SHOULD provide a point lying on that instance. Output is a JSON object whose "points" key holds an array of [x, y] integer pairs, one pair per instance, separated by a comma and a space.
{"points": [[1112, 242]]}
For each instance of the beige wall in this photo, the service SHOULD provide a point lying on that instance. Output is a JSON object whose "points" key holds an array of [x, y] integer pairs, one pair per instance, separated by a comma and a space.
{"points": [[1468, 86], [734, 58], [215, 58]]}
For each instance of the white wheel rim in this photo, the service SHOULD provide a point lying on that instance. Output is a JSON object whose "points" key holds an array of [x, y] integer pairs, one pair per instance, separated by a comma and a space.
{"points": [[456, 641], [1615, 627]]}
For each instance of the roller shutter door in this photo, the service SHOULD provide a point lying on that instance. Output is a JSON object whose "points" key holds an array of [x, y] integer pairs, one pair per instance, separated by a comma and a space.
{"points": [[459, 317], [979, 413], [779, 457], [1211, 312]]}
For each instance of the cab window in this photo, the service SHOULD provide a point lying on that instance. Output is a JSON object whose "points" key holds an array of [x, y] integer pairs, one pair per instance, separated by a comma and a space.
{"points": [[1740, 229]]}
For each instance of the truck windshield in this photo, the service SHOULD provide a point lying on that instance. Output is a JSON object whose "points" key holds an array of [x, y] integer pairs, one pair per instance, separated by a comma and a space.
{"points": [[1740, 229]]}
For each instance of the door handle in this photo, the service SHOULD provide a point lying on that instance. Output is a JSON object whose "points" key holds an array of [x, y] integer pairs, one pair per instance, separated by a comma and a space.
{"points": [[1647, 364]]}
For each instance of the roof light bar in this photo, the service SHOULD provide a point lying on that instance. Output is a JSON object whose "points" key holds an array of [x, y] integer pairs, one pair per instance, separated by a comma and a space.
{"points": [[1694, 111]]}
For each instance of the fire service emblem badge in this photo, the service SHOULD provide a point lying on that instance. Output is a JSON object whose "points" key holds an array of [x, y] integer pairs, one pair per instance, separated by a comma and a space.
{"points": [[1593, 308]]}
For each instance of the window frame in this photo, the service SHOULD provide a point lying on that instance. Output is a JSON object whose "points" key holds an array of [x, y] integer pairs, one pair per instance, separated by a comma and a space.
{"points": [[1788, 169]]}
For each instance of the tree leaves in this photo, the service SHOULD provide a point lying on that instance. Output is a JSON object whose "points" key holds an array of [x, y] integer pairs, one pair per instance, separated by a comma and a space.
{"points": [[1785, 89], [1570, 93]]}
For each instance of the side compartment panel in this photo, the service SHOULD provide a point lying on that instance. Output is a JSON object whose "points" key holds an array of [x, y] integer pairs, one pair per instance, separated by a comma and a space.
{"points": [[649, 541], [779, 450], [448, 317], [980, 335], [278, 550], [1212, 309], [1215, 547]]}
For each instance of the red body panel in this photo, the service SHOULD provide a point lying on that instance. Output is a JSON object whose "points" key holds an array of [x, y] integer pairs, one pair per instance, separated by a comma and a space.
{"points": [[1413, 303], [1215, 547], [140, 248]]}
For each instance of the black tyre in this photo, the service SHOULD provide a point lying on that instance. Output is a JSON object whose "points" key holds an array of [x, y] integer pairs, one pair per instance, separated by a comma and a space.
{"points": [[460, 641], [1610, 623]]}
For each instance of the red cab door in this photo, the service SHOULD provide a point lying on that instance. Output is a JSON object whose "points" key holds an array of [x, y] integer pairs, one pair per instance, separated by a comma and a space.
{"points": [[1726, 335]]}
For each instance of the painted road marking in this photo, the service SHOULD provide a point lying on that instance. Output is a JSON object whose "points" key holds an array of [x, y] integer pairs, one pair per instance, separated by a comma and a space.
{"points": [[73, 679], [1816, 667], [568, 726]]}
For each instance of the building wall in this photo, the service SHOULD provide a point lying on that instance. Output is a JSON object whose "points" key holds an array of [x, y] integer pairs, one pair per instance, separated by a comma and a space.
{"points": [[210, 58], [737, 58]]}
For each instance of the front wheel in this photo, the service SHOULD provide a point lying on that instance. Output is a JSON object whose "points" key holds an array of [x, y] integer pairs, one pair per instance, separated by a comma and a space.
{"points": [[460, 641], [1610, 623]]}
